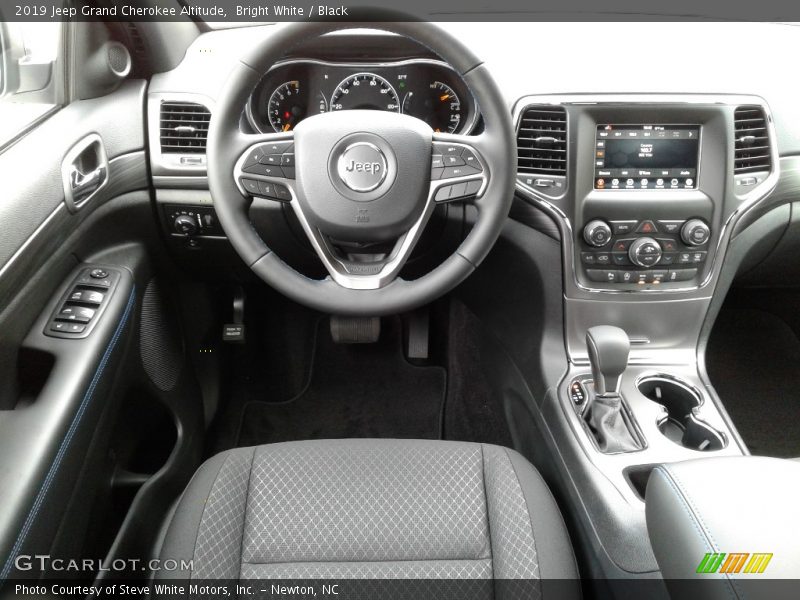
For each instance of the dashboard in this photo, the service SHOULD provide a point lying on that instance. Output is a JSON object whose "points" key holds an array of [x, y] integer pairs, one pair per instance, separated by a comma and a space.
{"points": [[297, 89]]}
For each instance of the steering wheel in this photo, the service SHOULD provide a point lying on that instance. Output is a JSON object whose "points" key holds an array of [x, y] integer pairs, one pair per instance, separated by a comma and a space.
{"points": [[361, 177]]}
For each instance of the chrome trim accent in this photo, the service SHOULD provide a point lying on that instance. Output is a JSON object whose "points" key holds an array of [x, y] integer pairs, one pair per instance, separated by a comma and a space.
{"points": [[473, 105], [749, 200], [199, 182], [404, 245]]}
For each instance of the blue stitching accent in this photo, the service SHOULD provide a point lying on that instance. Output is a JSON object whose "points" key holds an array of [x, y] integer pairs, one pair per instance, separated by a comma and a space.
{"points": [[67, 439]]}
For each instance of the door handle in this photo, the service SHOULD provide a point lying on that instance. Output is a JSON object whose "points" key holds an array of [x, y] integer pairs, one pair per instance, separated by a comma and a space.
{"points": [[85, 184], [84, 171]]}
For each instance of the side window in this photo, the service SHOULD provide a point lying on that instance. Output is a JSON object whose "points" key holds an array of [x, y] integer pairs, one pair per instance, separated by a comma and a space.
{"points": [[29, 83]]}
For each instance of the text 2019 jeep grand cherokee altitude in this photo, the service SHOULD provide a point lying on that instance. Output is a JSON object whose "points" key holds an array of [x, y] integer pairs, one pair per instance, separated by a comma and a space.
{"points": [[295, 308]]}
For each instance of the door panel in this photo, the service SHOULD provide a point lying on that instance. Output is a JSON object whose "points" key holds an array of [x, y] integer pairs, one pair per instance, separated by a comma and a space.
{"points": [[55, 391]]}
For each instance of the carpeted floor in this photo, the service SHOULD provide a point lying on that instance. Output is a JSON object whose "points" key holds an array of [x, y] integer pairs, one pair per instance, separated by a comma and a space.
{"points": [[753, 360], [367, 390], [290, 381]]}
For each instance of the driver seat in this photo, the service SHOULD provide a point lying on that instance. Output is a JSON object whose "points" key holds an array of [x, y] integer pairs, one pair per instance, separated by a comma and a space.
{"points": [[375, 509]]}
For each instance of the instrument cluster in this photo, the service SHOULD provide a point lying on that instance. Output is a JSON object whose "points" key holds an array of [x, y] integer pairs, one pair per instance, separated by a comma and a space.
{"points": [[427, 89]]}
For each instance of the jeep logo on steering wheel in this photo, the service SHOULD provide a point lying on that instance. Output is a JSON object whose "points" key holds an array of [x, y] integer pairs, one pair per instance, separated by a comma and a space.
{"points": [[362, 167]]}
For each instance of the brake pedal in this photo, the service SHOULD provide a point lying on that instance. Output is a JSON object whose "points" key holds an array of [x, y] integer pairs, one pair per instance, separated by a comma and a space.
{"points": [[355, 330]]}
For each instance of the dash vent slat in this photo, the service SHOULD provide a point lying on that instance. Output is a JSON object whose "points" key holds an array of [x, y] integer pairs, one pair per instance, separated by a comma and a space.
{"points": [[542, 140], [184, 127], [752, 150]]}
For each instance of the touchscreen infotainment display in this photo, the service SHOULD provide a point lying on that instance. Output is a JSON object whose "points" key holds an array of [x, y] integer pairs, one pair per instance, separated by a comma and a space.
{"points": [[646, 157]]}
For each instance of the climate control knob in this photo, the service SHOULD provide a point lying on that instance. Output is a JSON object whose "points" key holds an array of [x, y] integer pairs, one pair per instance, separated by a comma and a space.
{"points": [[186, 224], [645, 252], [597, 233], [695, 232]]}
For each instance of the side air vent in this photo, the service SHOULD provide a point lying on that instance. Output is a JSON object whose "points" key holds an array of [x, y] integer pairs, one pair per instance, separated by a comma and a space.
{"points": [[542, 140], [184, 127], [752, 148]]}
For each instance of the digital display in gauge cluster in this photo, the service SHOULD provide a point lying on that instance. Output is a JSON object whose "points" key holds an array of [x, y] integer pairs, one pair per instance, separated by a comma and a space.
{"points": [[427, 90]]}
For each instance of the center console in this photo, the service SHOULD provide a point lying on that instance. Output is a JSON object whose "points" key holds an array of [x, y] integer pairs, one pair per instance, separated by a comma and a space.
{"points": [[646, 192]]}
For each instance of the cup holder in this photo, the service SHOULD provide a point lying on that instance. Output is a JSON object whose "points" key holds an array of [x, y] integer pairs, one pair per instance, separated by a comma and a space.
{"points": [[681, 424]]}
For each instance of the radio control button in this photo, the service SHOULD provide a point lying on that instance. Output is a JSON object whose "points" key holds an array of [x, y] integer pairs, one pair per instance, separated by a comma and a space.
{"points": [[597, 233]]}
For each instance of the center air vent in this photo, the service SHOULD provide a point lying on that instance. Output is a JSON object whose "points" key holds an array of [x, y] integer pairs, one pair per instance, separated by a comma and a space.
{"points": [[752, 148], [542, 140], [184, 127]]}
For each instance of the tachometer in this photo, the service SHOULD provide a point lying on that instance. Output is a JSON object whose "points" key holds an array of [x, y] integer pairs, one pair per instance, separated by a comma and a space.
{"points": [[365, 91], [439, 106], [287, 106]]}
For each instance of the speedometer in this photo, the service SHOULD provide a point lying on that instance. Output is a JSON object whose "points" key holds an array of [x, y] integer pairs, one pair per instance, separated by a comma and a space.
{"points": [[365, 91]]}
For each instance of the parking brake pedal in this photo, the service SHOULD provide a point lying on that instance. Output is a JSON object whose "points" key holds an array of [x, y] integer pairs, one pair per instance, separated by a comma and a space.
{"points": [[234, 332], [355, 330]]}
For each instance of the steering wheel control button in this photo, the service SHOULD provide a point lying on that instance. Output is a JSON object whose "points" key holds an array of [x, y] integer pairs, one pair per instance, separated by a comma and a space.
{"points": [[473, 187], [597, 233], [453, 172], [457, 191], [277, 147], [362, 167], [270, 159], [287, 159], [437, 161], [251, 186], [436, 173], [253, 157], [451, 160], [282, 193], [470, 159]]}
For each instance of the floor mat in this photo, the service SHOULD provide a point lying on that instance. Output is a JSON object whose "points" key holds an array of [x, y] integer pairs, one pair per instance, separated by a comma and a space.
{"points": [[753, 360], [360, 390]]}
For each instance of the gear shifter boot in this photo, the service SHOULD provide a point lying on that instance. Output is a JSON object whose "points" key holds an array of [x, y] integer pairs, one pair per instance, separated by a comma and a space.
{"points": [[609, 425], [608, 349]]}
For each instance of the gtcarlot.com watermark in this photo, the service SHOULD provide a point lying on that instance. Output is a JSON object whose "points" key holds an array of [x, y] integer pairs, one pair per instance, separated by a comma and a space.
{"points": [[46, 563]]}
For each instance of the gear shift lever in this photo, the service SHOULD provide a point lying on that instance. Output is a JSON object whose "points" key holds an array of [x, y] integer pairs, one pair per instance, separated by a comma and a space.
{"points": [[608, 349], [608, 353]]}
